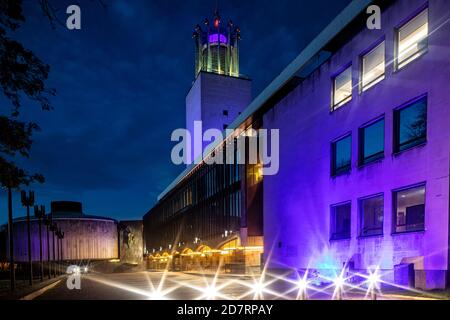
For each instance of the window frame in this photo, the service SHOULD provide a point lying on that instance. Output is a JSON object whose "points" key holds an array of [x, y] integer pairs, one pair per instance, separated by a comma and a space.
{"points": [[340, 104], [396, 127], [362, 161], [401, 65], [394, 208], [333, 220], [363, 88], [361, 216], [334, 171]]}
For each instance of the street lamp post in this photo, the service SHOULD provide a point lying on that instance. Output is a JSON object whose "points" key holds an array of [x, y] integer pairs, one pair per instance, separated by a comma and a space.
{"points": [[53, 229], [55, 236], [27, 201], [48, 223], [39, 212], [60, 237], [11, 241], [58, 251]]}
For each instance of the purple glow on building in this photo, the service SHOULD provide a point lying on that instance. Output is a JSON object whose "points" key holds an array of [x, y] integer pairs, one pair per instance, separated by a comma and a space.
{"points": [[214, 38], [297, 201]]}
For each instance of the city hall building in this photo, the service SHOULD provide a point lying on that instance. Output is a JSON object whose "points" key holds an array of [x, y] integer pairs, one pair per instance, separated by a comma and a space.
{"points": [[211, 215], [364, 155]]}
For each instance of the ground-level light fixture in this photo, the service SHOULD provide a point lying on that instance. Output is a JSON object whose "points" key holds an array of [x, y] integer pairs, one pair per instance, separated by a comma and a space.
{"points": [[157, 295], [302, 286], [258, 289], [210, 292], [338, 286], [373, 280]]}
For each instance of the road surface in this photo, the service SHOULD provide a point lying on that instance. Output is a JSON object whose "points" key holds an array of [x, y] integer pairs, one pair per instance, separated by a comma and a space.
{"points": [[151, 285], [181, 286]]}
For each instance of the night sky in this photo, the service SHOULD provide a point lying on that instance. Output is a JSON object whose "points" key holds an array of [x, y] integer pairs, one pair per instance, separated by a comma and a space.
{"points": [[121, 84]]}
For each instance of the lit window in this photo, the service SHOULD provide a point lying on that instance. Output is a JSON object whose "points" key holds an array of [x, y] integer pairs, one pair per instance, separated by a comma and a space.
{"points": [[412, 39], [340, 221], [342, 88], [410, 125], [371, 216], [341, 156], [410, 209], [373, 67], [371, 142]]}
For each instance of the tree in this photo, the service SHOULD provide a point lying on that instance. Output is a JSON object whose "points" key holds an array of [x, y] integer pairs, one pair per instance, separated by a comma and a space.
{"points": [[22, 74], [418, 128]]}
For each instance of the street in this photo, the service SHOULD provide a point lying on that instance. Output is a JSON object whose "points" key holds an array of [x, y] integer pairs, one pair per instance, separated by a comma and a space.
{"points": [[149, 285], [182, 286]]}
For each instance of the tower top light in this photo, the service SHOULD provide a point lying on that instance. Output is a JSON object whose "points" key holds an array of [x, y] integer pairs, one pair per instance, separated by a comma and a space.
{"points": [[216, 47], [216, 20]]}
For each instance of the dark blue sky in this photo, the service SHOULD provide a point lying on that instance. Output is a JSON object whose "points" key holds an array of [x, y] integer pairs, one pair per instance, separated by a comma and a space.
{"points": [[121, 83]]}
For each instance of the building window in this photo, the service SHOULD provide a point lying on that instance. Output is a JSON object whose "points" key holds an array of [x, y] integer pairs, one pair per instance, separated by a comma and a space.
{"points": [[225, 112], [412, 39], [373, 67], [342, 88], [340, 221], [410, 125], [371, 142], [341, 156], [409, 209], [371, 216]]}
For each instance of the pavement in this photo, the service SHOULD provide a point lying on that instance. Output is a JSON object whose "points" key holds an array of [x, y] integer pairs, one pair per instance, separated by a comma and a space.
{"points": [[137, 286], [182, 286], [23, 289]]}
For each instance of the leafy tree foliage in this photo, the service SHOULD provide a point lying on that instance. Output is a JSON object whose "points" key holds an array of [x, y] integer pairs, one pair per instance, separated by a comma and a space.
{"points": [[22, 74]]}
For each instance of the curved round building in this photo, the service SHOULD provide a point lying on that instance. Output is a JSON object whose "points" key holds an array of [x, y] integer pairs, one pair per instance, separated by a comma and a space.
{"points": [[86, 237]]}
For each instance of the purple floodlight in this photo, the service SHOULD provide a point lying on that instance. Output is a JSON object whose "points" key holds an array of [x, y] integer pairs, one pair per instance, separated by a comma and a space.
{"points": [[215, 37]]}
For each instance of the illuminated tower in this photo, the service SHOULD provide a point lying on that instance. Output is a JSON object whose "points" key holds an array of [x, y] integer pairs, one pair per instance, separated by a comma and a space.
{"points": [[217, 47], [219, 93]]}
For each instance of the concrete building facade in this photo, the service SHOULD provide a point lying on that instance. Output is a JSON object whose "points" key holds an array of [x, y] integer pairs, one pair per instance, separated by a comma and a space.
{"points": [[131, 247], [86, 237], [215, 100], [300, 201], [363, 116], [211, 216]]}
